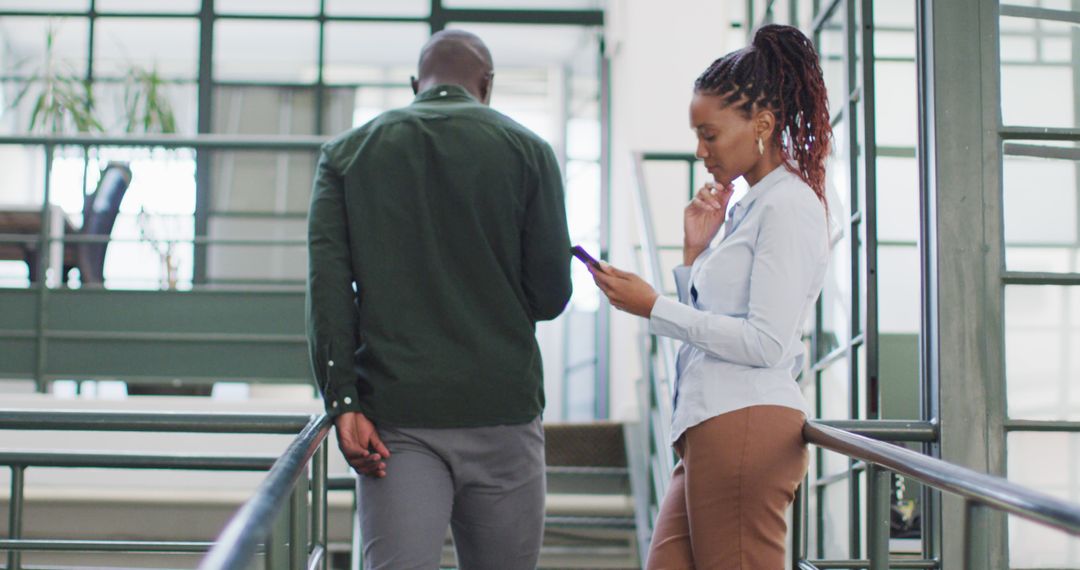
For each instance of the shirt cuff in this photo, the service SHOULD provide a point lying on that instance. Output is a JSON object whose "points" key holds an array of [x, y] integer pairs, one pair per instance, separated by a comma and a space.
{"points": [[682, 283], [341, 399], [671, 318]]}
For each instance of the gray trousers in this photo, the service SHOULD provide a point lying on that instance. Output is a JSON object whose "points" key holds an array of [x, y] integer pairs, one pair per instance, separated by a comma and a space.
{"points": [[487, 484]]}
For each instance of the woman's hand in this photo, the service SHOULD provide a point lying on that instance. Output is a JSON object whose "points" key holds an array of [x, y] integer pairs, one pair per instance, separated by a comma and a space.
{"points": [[626, 291], [702, 219]]}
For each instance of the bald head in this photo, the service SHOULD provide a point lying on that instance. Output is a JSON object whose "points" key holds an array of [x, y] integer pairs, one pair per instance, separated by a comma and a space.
{"points": [[456, 57]]}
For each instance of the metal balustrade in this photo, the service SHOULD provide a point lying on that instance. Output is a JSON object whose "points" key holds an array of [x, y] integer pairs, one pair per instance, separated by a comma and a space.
{"points": [[289, 481]]}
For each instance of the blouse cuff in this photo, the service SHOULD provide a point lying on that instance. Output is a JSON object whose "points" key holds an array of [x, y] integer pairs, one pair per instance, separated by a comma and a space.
{"points": [[671, 318]]}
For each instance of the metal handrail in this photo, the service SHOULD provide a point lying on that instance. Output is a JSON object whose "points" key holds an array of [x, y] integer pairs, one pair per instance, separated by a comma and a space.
{"points": [[203, 141], [236, 545], [654, 275], [187, 422], [153, 422], [984, 489]]}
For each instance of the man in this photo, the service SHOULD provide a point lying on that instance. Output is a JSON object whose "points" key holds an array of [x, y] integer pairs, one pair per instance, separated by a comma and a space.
{"points": [[437, 239]]}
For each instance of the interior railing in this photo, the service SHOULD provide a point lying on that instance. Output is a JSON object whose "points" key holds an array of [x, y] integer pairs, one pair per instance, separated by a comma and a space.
{"points": [[245, 535], [849, 437], [259, 522]]}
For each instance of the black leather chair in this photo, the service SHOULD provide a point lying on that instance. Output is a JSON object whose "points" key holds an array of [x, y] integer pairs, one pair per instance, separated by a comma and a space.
{"points": [[99, 215]]}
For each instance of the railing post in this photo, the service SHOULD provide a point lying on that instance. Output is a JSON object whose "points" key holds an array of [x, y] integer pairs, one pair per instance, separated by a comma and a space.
{"points": [[879, 483], [318, 502], [298, 518], [15, 508], [976, 549], [357, 560], [277, 553], [798, 516]]}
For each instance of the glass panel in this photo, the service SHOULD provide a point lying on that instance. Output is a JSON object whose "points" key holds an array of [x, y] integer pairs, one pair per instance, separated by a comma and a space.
{"points": [[836, 296], [254, 50], [1040, 206], [837, 520], [537, 46], [262, 182], [527, 4], [1042, 341], [831, 46], [836, 391], [260, 7], [358, 52], [417, 8], [248, 264], [169, 46], [112, 103], [348, 107], [896, 108], [580, 373], [897, 200], [25, 56], [26, 44], [264, 110], [892, 14], [1038, 84], [47, 5], [898, 331], [1049, 462], [141, 6], [150, 245]]}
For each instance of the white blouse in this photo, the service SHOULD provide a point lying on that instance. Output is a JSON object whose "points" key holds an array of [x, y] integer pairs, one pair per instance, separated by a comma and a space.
{"points": [[742, 303]]}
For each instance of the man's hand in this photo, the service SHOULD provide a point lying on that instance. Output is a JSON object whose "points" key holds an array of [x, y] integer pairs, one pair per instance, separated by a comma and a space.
{"points": [[360, 444], [625, 290]]}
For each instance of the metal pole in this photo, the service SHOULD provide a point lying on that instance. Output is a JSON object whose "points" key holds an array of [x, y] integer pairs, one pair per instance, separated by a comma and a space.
{"points": [[277, 554], [976, 554], [357, 560], [798, 524], [40, 273], [298, 512], [318, 501], [15, 508], [879, 491]]}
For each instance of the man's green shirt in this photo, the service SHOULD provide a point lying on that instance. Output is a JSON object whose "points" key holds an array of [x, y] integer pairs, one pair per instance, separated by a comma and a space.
{"points": [[437, 239]]}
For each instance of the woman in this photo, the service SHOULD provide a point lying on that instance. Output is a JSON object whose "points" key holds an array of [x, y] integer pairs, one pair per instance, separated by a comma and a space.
{"points": [[760, 113]]}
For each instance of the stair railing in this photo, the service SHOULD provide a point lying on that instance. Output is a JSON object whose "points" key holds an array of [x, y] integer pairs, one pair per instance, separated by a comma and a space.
{"points": [[259, 521], [159, 422]]}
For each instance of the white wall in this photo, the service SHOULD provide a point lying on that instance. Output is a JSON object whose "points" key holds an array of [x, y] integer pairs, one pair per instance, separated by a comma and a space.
{"points": [[657, 50]]}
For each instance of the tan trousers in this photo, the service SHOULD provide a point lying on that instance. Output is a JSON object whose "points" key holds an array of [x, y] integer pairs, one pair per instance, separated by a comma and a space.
{"points": [[725, 507]]}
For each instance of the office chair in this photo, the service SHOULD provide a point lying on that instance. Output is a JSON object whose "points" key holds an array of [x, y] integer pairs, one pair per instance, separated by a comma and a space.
{"points": [[99, 216]]}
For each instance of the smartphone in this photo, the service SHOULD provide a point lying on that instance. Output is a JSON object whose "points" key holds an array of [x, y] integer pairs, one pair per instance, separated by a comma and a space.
{"points": [[580, 253]]}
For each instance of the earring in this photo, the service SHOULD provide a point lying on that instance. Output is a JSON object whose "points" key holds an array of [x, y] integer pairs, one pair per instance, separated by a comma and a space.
{"points": [[760, 147]]}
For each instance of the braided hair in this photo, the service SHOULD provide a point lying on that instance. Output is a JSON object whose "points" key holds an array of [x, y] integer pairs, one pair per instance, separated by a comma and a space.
{"points": [[780, 71]]}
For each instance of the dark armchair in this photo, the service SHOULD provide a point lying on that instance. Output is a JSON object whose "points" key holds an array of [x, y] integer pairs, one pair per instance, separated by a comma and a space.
{"points": [[99, 215]]}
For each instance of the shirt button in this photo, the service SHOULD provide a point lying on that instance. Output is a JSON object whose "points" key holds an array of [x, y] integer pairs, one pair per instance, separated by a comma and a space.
{"points": [[334, 403], [331, 363], [348, 400], [442, 93]]}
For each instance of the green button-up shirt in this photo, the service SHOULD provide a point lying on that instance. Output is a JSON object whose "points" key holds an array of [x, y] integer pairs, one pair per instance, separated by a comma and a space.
{"points": [[437, 239]]}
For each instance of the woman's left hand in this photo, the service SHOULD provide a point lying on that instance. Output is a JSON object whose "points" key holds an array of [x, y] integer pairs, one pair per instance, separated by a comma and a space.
{"points": [[626, 291]]}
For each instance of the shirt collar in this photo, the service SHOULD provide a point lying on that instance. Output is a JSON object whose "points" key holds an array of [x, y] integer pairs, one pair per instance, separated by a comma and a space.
{"points": [[763, 186], [448, 92]]}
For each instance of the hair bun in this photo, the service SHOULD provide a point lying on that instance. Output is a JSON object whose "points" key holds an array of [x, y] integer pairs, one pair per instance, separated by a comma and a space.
{"points": [[778, 33]]}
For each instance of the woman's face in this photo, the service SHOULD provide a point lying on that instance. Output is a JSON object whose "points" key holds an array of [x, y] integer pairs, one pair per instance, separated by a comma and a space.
{"points": [[727, 141]]}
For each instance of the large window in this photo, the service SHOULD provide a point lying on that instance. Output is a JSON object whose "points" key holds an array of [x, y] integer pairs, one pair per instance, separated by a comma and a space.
{"points": [[270, 80], [1040, 68]]}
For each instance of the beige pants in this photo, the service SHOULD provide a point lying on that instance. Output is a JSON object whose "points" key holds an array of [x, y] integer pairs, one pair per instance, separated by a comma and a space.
{"points": [[728, 496]]}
